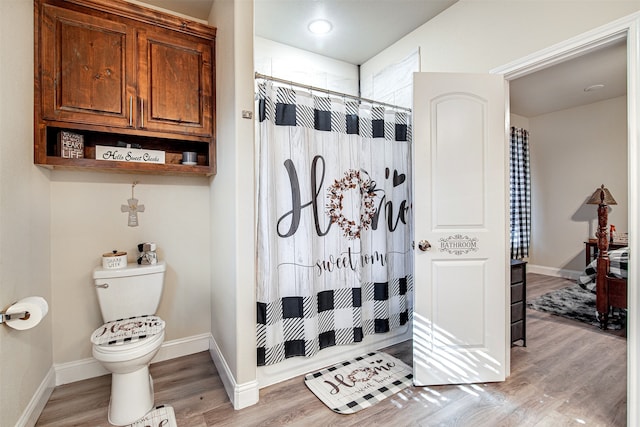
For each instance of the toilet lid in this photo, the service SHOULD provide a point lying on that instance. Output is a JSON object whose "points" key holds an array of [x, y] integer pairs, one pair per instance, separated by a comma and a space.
{"points": [[125, 331]]}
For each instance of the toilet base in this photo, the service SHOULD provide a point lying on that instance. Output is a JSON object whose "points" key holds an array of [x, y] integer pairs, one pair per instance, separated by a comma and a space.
{"points": [[131, 396]]}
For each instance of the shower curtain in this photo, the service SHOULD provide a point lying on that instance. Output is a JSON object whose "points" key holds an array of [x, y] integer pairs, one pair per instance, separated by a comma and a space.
{"points": [[334, 222], [520, 193]]}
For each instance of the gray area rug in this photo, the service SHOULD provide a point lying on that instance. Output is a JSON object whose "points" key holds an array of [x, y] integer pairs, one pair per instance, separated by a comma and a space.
{"points": [[578, 304]]}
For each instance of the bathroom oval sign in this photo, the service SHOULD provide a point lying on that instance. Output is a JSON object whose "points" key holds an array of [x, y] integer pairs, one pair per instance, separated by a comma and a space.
{"points": [[458, 244]]}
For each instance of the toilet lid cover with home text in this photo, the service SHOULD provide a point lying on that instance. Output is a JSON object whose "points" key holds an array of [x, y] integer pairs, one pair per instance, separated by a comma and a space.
{"points": [[125, 331]]}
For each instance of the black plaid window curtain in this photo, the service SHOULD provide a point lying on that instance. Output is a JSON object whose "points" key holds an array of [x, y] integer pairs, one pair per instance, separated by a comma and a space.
{"points": [[520, 194], [334, 241]]}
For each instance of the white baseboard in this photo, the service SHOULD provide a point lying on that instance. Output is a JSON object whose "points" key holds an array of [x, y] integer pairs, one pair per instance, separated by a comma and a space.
{"points": [[90, 368], [553, 271], [272, 374], [38, 401], [78, 370], [183, 347], [247, 394], [240, 395]]}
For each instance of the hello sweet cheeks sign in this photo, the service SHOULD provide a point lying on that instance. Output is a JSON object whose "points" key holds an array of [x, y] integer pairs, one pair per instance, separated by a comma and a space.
{"points": [[131, 155]]}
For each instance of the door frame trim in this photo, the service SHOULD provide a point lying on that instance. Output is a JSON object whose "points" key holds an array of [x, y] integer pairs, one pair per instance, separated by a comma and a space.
{"points": [[625, 28]]}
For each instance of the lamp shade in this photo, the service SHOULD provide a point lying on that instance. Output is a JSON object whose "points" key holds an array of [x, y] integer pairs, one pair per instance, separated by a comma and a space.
{"points": [[602, 195]]}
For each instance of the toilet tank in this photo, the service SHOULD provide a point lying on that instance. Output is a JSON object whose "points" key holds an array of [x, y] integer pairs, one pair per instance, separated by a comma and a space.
{"points": [[129, 292]]}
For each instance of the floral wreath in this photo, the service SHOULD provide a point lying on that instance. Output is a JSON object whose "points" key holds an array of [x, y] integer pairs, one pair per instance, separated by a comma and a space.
{"points": [[335, 194], [361, 375]]}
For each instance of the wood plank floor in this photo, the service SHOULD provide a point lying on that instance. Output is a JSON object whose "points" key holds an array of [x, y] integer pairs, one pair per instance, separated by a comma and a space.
{"points": [[570, 374]]}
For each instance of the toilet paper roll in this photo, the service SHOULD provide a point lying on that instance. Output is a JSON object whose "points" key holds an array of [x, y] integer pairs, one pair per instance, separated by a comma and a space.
{"points": [[37, 308]]}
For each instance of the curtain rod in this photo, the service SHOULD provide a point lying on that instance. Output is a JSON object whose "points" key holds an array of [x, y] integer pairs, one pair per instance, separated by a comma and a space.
{"points": [[329, 92]]}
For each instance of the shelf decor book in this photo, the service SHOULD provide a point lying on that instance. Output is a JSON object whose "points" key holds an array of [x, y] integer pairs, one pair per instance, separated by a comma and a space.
{"points": [[70, 145], [129, 155]]}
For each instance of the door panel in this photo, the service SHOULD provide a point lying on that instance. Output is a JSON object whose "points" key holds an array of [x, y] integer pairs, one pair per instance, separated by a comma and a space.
{"points": [[162, 59], [458, 169], [85, 79], [457, 286], [460, 313], [175, 83]]}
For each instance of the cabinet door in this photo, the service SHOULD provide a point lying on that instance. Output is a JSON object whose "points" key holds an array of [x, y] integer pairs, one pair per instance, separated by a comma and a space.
{"points": [[84, 62], [175, 83]]}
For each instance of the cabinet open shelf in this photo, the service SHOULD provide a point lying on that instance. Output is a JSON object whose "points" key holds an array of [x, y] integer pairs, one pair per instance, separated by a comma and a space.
{"points": [[172, 150]]}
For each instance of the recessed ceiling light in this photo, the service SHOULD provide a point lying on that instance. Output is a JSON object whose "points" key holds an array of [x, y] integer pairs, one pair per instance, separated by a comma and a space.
{"points": [[320, 26], [593, 88]]}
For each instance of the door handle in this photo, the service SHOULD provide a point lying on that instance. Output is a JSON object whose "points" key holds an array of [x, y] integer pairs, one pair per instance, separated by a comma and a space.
{"points": [[424, 245]]}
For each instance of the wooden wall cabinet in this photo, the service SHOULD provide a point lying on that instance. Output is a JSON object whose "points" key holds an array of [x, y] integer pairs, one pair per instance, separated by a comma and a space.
{"points": [[118, 73]]}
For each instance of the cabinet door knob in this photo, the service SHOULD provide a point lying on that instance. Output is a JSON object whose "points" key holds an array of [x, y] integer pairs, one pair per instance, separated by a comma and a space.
{"points": [[424, 245]]}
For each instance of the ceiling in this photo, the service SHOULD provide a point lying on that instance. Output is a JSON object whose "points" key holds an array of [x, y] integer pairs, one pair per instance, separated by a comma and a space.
{"points": [[361, 28], [563, 85], [385, 21]]}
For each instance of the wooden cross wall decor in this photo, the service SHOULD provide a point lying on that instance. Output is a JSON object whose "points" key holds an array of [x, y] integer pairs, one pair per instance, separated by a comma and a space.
{"points": [[132, 208]]}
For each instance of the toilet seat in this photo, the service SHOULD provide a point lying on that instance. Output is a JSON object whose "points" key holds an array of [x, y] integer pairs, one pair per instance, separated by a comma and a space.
{"points": [[127, 340], [130, 333]]}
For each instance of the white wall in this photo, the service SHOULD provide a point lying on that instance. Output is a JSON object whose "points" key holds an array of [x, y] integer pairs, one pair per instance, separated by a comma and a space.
{"points": [[286, 62], [232, 195], [519, 121], [86, 222], [573, 152], [25, 356], [479, 35]]}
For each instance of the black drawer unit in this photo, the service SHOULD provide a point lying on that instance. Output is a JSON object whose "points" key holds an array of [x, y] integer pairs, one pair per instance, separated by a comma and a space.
{"points": [[518, 302]]}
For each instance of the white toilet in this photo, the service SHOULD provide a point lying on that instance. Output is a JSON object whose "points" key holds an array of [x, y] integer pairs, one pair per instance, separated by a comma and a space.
{"points": [[130, 337]]}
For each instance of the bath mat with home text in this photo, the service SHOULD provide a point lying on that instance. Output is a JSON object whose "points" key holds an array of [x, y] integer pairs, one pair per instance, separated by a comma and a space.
{"points": [[356, 384], [161, 415]]}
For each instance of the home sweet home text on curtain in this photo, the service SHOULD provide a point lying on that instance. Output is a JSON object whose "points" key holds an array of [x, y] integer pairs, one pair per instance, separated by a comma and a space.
{"points": [[334, 222]]}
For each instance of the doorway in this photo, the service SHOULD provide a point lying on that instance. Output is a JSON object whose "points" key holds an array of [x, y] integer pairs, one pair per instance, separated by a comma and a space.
{"points": [[624, 29], [576, 115]]}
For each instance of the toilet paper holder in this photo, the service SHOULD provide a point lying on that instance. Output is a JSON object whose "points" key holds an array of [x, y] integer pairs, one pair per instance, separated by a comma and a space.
{"points": [[22, 315]]}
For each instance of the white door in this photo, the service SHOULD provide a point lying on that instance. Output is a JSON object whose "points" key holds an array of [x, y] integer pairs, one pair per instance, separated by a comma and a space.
{"points": [[461, 208]]}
